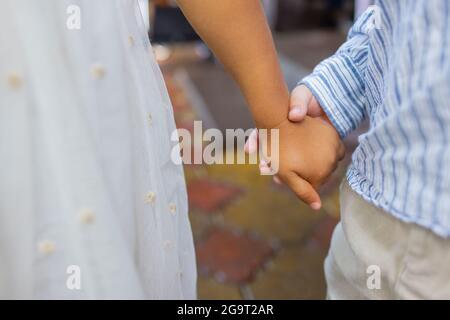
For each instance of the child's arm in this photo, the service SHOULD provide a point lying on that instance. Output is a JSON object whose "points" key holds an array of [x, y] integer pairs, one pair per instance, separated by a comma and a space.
{"points": [[237, 32]]}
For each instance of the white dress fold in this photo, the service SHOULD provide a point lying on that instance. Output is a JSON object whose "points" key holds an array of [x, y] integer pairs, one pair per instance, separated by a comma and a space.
{"points": [[86, 176]]}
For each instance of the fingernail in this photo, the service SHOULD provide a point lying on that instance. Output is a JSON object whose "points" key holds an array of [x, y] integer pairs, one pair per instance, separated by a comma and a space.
{"points": [[315, 205], [296, 111]]}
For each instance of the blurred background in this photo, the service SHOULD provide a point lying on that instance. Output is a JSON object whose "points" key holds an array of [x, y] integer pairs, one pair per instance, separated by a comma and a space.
{"points": [[254, 239]]}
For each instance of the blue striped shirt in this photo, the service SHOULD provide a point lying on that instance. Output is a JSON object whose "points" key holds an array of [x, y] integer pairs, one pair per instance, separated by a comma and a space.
{"points": [[394, 70]]}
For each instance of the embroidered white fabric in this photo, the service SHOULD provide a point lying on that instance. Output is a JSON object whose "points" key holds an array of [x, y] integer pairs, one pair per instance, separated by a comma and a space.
{"points": [[86, 178]]}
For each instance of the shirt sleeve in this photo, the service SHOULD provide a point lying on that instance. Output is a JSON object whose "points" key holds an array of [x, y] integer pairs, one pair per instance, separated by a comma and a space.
{"points": [[338, 82]]}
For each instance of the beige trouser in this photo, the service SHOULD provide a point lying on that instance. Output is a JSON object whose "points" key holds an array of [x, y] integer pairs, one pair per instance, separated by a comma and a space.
{"points": [[368, 244]]}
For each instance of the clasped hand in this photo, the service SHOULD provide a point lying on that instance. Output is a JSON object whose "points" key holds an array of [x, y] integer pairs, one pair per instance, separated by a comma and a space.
{"points": [[309, 148]]}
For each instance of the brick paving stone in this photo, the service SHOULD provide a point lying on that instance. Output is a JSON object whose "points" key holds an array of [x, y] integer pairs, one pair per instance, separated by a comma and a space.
{"points": [[272, 213], [200, 225], [295, 273], [244, 175], [231, 257], [209, 196], [193, 171], [211, 289]]}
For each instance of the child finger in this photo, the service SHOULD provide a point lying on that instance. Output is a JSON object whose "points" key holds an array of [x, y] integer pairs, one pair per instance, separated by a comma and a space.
{"points": [[251, 146], [277, 180], [304, 191], [300, 99]]}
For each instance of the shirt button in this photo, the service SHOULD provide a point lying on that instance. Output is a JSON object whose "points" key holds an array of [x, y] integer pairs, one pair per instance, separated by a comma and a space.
{"points": [[131, 40], [150, 118], [150, 197], [173, 208], [168, 244], [14, 80], [86, 216], [46, 247], [98, 71]]}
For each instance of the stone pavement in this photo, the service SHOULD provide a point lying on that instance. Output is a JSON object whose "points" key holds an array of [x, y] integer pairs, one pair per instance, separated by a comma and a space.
{"points": [[254, 239]]}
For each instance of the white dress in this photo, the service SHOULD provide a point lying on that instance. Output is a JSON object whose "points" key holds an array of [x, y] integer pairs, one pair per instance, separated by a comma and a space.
{"points": [[86, 176]]}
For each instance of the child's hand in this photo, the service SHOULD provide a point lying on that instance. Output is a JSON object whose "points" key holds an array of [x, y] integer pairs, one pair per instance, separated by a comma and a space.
{"points": [[309, 153], [303, 103]]}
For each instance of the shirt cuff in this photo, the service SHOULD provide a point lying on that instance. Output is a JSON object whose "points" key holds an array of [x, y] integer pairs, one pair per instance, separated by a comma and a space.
{"points": [[338, 86]]}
